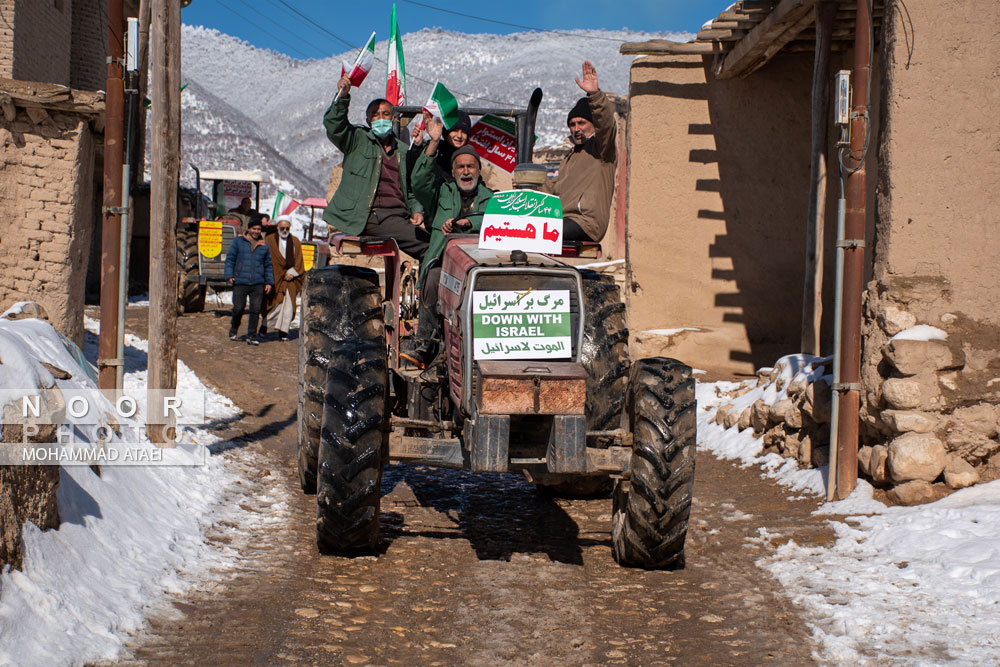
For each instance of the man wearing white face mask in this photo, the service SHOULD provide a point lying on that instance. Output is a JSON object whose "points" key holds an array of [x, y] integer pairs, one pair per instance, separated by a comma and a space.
{"points": [[374, 196], [289, 274]]}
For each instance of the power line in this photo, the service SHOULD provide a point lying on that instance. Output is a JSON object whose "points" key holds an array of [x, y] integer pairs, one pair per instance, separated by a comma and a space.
{"points": [[379, 60], [261, 28], [511, 25], [280, 25]]}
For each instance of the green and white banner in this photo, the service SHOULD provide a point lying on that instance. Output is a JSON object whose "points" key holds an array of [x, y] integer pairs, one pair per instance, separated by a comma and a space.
{"points": [[523, 220], [534, 324]]}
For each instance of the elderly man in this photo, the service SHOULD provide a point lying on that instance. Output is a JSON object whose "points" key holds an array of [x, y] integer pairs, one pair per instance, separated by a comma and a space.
{"points": [[374, 197], [289, 274], [461, 204], [587, 175]]}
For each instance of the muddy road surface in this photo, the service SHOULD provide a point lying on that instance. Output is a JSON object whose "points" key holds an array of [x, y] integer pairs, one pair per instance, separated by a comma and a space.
{"points": [[474, 569]]}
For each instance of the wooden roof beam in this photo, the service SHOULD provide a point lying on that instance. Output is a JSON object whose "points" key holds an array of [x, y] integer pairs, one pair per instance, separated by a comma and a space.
{"points": [[784, 22], [656, 47]]}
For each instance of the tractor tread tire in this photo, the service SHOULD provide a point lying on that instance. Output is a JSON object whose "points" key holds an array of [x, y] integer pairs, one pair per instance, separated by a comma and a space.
{"points": [[649, 521], [190, 292], [338, 303], [352, 448]]}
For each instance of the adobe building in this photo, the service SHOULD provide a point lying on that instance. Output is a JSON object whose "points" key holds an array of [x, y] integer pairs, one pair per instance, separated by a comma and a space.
{"points": [[52, 65], [718, 202]]}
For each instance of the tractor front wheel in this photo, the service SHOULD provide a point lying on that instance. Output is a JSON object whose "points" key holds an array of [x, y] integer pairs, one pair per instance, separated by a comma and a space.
{"points": [[649, 519], [190, 292]]}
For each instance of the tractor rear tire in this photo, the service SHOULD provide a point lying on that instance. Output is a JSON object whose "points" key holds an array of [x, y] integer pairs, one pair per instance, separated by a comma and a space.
{"points": [[605, 357], [339, 303], [353, 447], [605, 351], [190, 293], [649, 520]]}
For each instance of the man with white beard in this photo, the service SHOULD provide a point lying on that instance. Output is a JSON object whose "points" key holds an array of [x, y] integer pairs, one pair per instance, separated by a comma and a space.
{"points": [[289, 274]]}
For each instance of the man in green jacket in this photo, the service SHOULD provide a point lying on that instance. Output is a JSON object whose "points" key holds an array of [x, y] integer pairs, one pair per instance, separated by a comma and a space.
{"points": [[373, 198], [460, 207]]}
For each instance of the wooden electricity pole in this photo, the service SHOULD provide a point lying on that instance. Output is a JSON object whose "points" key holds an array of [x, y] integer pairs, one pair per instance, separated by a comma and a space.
{"points": [[812, 292], [107, 343], [165, 122]]}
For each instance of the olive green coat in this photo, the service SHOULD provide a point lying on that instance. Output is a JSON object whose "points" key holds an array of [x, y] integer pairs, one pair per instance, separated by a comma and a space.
{"points": [[449, 203], [348, 210]]}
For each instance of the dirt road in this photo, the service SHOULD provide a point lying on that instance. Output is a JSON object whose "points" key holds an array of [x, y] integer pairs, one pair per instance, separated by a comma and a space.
{"points": [[475, 569]]}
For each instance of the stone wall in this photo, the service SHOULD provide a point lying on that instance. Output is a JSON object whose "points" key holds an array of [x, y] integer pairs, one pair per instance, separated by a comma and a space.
{"points": [[46, 193], [930, 408], [717, 201], [42, 38], [6, 39]]}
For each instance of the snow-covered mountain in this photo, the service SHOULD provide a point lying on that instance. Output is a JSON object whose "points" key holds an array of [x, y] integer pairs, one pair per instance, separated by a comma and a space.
{"points": [[251, 108]]}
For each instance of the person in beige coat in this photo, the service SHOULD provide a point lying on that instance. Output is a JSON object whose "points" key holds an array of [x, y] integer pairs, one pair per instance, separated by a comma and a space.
{"points": [[586, 180], [289, 274]]}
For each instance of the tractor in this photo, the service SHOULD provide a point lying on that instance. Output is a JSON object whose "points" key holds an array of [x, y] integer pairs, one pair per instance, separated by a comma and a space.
{"points": [[565, 409], [204, 238]]}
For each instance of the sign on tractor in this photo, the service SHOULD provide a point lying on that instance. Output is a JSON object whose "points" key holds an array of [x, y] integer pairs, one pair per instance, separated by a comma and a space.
{"points": [[210, 238], [523, 220], [534, 324]]}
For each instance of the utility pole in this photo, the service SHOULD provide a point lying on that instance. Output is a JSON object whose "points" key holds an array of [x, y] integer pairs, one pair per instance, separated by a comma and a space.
{"points": [[848, 393], [107, 347], [165, 121]]}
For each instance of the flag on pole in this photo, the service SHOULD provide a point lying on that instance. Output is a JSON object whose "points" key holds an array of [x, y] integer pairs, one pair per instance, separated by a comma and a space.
{"points": [[442, 104], [363, 63], [283, 205], [395, 78]]}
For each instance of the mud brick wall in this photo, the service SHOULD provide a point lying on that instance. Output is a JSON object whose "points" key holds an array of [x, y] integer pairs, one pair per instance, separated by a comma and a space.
{"points": [[930, 409], [46, 191], [6, 38], [42, 38]]}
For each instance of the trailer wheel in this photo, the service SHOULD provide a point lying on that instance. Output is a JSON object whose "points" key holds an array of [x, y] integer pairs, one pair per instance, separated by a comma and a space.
{"points": [[190, 293], [649, 519], [353, 447], [338, 303]]}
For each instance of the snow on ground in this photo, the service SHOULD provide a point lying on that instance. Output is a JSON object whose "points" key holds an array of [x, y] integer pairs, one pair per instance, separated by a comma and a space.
{"points": [[130, 536], [901, 585]]}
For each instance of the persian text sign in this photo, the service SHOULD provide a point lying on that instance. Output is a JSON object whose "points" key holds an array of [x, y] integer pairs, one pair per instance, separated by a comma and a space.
{"points": [[210, 238], [493, 139], [523, 220], [308, 255], [233, 192], [534, 324]]}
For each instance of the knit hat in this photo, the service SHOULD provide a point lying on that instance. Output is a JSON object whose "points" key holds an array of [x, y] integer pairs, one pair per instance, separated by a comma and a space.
{"points": [[464, 123], [580, 110], [466, 150]]}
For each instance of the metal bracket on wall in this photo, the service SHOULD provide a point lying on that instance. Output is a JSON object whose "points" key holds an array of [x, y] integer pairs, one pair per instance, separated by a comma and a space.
{"points": [[847, 386], [850, 243], [117, 61], [114, 210]]}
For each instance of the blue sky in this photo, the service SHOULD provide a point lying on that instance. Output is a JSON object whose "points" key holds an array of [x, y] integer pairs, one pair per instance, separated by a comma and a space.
{"points": [[272, 24]]}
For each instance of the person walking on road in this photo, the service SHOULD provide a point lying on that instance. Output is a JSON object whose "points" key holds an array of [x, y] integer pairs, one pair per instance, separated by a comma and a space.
{"points": [[289, 274], [248, 270], [374, 196]]}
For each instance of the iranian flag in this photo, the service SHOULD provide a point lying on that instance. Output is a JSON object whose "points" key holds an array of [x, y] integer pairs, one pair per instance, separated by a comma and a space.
{"points": [[442, 104], [395, 79], [283, 205], [362, 64]]}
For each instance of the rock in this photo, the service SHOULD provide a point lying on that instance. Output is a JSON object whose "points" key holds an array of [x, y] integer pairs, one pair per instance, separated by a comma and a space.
{"points": [[876, 464], [26, 310], [912, 357], [910, 393], [759, 415], [915, 492], [817, 401], [820, 456], [894, 319], [743, 422], [797, 386], [909, 421], [981, 419], [915, 456], [864, 461], [764, 375], [949, 380], [731, 418], [775, 439], [959, 473], [792, 446], [785, 412], [720, 414]]}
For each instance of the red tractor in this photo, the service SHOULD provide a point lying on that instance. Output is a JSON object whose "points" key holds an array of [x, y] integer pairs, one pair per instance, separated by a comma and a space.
{"points": [[568, 411]]}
